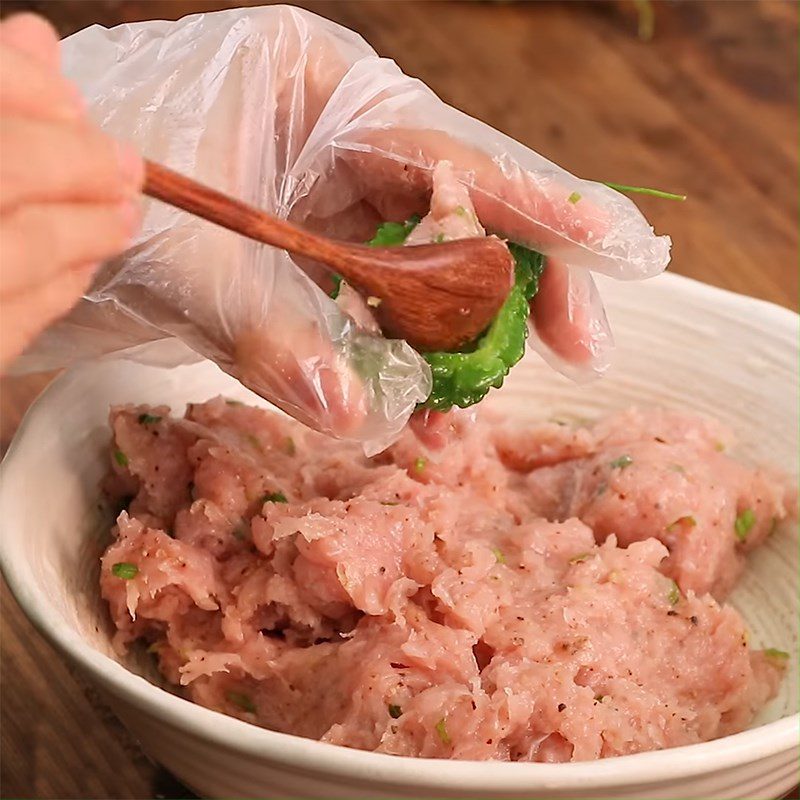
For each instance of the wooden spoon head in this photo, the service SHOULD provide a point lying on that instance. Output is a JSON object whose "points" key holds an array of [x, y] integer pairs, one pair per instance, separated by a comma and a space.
{"points": [[437, 296]]}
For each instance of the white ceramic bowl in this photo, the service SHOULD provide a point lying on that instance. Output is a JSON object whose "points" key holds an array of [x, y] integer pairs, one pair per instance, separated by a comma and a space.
{"points": [[680, 343]]}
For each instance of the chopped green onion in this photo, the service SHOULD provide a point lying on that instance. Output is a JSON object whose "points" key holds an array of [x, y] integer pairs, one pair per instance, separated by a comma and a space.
{"points": [[620, 187], [579, 558], [242, 701], [124, 570], [420, 463], [121, 458], [574, 198], [148, 419], [461, 211], [274, 497], [688, 521], [773, 654], [622, 462], [499, 555], [255, 442], [744, 522], [674, 593], [439, 238], [441, 729], [394, 711]]}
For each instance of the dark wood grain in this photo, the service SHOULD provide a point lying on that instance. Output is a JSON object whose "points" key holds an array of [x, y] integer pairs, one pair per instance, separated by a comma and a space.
{"points": [[435, 296], [707, 108]]}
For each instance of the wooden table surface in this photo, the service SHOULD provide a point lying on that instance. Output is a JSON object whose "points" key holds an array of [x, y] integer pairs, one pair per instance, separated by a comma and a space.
{"points": [[707, 108]]}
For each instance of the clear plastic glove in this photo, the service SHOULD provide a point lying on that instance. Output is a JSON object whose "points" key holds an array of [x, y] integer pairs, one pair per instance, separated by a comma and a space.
{"points": [[295, 114]]}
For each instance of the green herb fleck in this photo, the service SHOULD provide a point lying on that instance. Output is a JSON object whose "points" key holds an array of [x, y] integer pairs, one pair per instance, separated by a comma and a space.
{"points": [[240, 532], [744, 523], [687, 521], [291, 447], [574, 198], [274, 497], [243, 701], [124, 570], [234, 403], [439, 238], [337, 286], [255, 442], [441, 729], [121, 458], [389, 503], [601, 488], [499, 555], [579, 558], [420, 464], [622, 462], [148, 419], [619, 187], [394, 711], [674, 593], [461, 211], [773, 654]]}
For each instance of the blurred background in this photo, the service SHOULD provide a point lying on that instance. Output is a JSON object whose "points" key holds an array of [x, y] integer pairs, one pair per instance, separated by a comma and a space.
{"points": [[698, 97]]}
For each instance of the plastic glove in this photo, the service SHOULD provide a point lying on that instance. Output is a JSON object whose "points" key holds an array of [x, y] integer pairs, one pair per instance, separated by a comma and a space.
{"points": [[293, 113]]}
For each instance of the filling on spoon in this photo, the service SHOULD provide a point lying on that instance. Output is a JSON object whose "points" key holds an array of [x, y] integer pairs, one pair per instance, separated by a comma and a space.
{"points": [[460, 378]]}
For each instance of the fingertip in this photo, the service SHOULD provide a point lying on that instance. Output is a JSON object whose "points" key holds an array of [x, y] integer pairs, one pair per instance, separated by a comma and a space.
{"points": [[33, 35]]}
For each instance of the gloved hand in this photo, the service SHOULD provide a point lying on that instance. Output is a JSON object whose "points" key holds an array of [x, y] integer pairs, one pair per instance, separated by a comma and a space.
{"points": [[293, 113]]}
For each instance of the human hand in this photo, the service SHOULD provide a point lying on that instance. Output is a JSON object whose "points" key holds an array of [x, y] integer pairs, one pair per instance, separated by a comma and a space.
{"points": [[297, 115], [67, 190]]}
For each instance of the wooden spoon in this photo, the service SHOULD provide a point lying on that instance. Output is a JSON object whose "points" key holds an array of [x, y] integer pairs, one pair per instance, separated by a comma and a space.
{"points": [[436, 296]]}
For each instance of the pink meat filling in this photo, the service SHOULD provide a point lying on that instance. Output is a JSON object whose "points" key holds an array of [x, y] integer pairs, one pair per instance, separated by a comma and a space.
{"points": [[507, 595]]}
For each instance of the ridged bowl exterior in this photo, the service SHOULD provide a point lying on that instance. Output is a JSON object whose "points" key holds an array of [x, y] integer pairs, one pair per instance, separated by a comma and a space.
{"points": [[679, 344]]}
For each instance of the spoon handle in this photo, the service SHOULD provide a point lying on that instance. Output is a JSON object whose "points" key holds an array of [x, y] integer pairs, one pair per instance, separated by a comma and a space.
{"points": [[203, 201]]}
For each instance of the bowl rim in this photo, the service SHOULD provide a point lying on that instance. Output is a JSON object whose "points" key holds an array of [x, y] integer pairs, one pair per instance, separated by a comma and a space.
{"points": [[348, 764]]}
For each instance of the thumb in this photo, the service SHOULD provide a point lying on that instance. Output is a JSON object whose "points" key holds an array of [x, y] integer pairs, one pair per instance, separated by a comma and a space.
{"points": [[34, 36]]}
